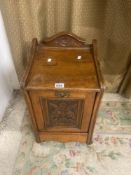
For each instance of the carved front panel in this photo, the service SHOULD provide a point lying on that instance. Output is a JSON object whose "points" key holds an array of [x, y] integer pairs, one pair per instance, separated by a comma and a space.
{"points": [[62, 112]]}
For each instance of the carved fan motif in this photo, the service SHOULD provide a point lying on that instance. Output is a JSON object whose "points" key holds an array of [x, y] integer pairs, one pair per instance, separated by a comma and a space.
{"points": [[64, 40], [65, 113]]}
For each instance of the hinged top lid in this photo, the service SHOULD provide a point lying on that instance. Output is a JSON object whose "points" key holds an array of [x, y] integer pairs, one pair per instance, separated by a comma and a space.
{"points": [[63, 59]]}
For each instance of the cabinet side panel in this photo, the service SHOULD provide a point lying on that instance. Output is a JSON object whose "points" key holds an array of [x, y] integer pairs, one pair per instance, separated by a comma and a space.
{"points": [[94, 115], [88, 107], [38, 115], [29, 104]]}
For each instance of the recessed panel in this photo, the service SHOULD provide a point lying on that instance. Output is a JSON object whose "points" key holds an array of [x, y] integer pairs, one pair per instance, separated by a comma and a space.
{"points": [[62, 112]]}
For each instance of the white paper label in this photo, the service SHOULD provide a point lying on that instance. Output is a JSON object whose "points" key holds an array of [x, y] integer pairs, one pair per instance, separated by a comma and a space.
{"points": [[59, 85]]}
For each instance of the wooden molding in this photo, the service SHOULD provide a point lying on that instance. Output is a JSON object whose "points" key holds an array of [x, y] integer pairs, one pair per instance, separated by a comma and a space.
{"points": [[64, 39]]}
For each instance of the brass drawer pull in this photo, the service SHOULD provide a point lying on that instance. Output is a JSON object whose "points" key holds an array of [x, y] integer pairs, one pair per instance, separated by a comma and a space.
{"points": [[62, 94]]}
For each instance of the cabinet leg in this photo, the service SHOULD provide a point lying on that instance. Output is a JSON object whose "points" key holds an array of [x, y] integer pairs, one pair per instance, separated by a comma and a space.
{"points": [[37, 138], [89, 141]]}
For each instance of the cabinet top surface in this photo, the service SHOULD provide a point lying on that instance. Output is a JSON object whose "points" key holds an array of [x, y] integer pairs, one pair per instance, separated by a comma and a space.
{"points": [[63, 58], [73, 67]]}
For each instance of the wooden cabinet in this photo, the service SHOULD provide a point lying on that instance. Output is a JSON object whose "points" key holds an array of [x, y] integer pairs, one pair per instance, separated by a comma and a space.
{"points": [[63, 87]]}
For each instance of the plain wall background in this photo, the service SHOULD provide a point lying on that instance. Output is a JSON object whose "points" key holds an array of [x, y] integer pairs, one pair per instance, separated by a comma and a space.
{"points": [[8, 76]]}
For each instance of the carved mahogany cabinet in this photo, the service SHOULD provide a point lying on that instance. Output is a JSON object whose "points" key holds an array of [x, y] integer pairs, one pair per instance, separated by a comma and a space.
{"points": [[63, 87]]}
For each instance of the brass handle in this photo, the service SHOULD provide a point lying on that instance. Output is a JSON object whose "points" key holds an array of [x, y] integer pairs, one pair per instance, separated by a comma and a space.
{"points": [[61, 94]]}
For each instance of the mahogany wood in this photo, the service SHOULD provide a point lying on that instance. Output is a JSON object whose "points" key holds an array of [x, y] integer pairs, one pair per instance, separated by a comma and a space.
{"points": [[67, 113]]}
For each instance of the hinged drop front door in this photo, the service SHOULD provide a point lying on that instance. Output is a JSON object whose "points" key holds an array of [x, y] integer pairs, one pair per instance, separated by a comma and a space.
{"points": [[62, 110]]}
